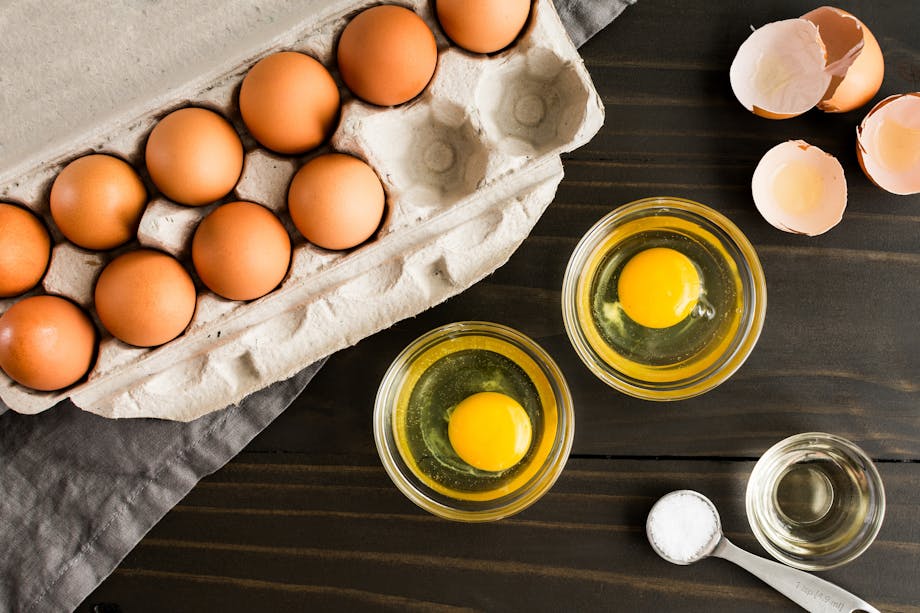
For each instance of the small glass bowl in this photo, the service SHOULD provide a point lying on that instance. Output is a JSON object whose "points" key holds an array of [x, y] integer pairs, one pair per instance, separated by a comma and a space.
{"points": [[815, 501], [537, 472], [716, 356]]}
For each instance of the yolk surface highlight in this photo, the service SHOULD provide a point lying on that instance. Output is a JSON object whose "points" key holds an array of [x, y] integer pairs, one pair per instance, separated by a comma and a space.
{"points": [[490, 431], [659, 287]]}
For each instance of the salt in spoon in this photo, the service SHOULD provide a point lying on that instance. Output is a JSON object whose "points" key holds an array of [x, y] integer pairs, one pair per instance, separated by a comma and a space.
{"points": [[684, 527]]}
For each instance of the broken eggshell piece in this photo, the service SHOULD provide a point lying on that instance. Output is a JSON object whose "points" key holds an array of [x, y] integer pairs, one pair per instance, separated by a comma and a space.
{"points": [[827, 58], [800, 189], [888, 144], [854, 59], [779, 71]]}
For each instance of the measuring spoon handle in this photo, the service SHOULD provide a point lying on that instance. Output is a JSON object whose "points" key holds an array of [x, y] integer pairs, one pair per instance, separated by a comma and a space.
{"points": [[806, 590]]}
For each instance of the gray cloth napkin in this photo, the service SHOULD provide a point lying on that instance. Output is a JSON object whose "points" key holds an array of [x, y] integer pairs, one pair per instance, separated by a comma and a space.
{"points": [[77, 492], [585, 18]]}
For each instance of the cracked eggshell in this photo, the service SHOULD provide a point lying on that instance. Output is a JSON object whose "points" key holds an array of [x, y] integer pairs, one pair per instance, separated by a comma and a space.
{"points": [[799, 188], [888, 144], [778, 71], [827, 58], [854, 59]]}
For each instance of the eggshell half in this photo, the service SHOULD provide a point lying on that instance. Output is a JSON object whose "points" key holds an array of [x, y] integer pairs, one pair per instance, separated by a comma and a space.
{"points": [[854, 59], [800, 189], [779, 71], [888, 144]]}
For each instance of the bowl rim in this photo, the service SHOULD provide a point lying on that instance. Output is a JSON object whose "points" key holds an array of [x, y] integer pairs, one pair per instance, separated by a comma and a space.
{"points": [[753, 284], [754, 492], [439, 504]]}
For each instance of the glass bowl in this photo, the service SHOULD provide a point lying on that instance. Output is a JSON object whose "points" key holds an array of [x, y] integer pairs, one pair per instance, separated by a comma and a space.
{"points": [[815, 501], [420, 389], [700, 351]]}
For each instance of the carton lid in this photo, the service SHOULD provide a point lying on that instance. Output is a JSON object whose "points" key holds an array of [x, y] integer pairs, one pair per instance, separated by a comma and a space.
{"points": [[68, 67]]}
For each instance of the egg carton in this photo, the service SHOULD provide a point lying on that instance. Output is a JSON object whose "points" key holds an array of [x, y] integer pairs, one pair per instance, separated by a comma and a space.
{"points": [[468, 167]]}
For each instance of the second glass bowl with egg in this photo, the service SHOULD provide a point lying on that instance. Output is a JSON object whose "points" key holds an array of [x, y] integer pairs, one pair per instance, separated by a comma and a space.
{"points": [[473, 421], [664, 298]]}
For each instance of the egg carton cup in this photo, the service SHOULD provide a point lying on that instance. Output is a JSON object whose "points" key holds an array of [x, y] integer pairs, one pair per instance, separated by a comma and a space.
{"points": [[469, 167]]}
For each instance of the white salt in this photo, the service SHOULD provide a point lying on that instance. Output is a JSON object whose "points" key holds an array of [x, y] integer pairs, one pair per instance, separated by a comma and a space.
{"points": [[682, 525]]}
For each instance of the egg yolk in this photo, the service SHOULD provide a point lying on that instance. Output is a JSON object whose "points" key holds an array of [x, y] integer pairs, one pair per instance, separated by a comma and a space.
{"points": [[490, 431], [659, 287]]}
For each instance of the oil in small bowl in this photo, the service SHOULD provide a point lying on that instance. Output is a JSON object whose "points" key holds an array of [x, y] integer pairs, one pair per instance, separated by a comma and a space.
{"points": [[815, 501]]}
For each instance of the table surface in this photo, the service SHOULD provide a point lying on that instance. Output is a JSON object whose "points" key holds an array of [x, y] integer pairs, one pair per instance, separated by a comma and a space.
{"points": [[306, 518]]}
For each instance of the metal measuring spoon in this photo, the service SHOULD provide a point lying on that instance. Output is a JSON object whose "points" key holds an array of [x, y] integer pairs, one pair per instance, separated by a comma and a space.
{"points": [[807, 591]]}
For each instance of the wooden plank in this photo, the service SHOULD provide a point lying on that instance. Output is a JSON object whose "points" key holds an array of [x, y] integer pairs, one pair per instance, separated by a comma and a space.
{"points": [[817, 384], [275, 532]]}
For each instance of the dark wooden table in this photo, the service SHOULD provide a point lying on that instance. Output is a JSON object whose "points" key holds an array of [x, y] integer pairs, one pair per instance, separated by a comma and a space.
{"points": [[306, 519]]}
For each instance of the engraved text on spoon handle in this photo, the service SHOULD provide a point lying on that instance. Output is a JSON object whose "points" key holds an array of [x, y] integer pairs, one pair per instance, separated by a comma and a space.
{"points": [[806, 590]]}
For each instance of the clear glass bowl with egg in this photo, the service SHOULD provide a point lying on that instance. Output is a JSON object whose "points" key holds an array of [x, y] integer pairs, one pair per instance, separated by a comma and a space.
{"points": [[664, 298], [473, 421]]}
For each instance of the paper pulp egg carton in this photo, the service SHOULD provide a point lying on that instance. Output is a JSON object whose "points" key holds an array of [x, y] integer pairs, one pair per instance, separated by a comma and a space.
{"points": [[468, 168]]}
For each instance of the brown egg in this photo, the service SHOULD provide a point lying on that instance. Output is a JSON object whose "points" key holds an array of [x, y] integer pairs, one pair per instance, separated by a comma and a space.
{"points": [[387, 55], [336, 201], [145, 298], [289, 102], [483, 26], [241, 251], [97, 202], [46, 342], [25, 248], [194, 156]]}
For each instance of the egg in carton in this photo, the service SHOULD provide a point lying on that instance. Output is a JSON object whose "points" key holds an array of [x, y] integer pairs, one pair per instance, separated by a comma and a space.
{"points": [[468, 167]]}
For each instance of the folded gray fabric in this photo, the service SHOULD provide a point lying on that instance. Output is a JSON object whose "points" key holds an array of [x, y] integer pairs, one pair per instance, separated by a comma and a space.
{"points": [[585, 18], [77, 492]]}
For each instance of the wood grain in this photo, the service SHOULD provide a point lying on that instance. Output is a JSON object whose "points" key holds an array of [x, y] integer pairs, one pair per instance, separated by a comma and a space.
{"points": [[277, 529], [306, 519]]}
